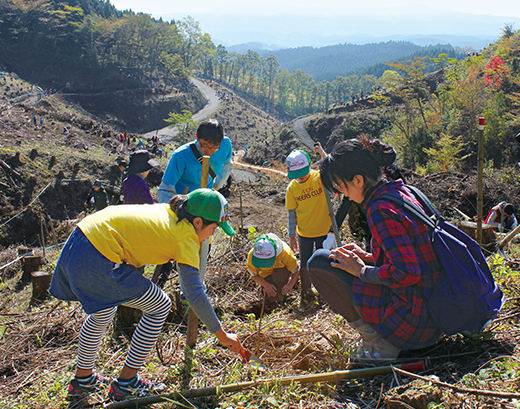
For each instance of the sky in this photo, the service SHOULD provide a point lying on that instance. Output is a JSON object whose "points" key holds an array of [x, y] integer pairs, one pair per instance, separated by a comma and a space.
{"points": [[297, 23], [184, 8]]}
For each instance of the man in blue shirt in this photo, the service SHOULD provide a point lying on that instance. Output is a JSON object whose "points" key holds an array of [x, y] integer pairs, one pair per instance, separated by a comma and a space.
{"points": [[184, 171]]}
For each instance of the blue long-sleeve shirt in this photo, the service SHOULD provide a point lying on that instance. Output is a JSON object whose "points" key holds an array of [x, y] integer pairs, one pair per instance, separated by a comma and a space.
{"points": [[193, 288], [184, 170]]}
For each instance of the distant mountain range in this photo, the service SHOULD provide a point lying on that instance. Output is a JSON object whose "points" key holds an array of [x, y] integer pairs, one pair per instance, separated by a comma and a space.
{"points": [[327, 63], [420, 25]]}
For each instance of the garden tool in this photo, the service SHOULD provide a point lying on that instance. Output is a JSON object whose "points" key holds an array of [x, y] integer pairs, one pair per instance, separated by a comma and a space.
{"points": [[249, 358]]}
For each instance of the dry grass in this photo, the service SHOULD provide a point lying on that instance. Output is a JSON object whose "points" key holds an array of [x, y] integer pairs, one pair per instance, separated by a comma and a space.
{"points": [[39, 345]]}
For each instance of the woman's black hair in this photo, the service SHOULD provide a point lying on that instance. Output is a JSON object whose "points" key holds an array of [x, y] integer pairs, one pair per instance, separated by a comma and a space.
{"points": [[178, 204], [360, 156]]}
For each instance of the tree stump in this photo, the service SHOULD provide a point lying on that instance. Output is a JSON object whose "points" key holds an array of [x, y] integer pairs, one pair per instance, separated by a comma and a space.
{"points": [[25, 251], [126, 320], [470, 228], [41, 281], [29, 265]]}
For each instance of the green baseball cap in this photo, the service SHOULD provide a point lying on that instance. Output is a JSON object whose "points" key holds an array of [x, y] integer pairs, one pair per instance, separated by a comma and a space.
{"points": [[265, 250], [298, 164], [210, 205]]}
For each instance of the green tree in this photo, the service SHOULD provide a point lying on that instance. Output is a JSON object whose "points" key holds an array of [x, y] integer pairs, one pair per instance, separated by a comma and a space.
{"points": [[251, 69], [301, 85], [271, 70], [446, 155], [412, 129], [193, 42], [283, 86], [183, 122], [222, 61]]}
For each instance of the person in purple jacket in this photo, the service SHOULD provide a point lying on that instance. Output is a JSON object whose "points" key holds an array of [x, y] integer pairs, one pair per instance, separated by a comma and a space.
{"points": [[135, 189]]}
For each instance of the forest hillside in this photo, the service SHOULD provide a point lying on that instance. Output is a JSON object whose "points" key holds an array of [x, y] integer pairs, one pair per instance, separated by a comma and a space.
{"points": [[46, 174]]}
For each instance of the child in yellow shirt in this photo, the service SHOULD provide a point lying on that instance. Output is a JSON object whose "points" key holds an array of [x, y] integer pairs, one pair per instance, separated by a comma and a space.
{"points": [[99, 267], [308, 213], [272, 265]]}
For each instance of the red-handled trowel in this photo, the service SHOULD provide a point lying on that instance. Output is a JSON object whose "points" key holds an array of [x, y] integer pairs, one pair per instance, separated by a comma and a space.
{"points": [[251, 359]]}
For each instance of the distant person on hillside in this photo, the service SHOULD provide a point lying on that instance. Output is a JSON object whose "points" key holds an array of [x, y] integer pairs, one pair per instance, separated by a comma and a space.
{"points": [[184, 171], [99, 267], [308, 214], [135, 190], [97, 196], [502, 217], [272, 264]]}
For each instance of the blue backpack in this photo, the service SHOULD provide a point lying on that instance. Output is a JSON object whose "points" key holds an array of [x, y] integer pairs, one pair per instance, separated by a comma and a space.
{"points": [[465, 297]]}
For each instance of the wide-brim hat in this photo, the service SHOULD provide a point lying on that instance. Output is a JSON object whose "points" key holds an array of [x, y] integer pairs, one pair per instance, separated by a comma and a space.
{"points": [[265, 250], [298, 164], [141, 161], [210, 205]]}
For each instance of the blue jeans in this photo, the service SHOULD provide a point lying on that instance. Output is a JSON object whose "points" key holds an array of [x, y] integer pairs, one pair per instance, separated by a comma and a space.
{"points": [[333, 284]]}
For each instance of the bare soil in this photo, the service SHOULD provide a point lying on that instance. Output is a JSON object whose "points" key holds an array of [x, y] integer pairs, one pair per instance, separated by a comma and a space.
{"points": [[38, 341]]}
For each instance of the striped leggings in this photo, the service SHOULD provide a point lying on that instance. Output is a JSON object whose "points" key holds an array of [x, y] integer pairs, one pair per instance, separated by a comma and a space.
{"points": [[155, 305]]}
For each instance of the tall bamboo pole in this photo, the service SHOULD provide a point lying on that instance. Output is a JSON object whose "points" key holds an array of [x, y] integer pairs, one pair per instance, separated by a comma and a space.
{"points": [[480, 194], [193, 321], [335, 376], [335, 227]]}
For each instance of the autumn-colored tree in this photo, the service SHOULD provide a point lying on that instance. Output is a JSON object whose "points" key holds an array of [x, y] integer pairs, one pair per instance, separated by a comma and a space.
{"points": [[446, 155]]}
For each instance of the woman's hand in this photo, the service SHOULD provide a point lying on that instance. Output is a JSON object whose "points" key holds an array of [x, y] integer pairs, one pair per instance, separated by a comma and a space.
{"points": [[347, 260], [229, 340], [358, 251]]}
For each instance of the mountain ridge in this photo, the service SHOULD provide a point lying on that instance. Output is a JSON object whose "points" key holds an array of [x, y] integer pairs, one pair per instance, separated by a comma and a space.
{"points": [[288, 31]]}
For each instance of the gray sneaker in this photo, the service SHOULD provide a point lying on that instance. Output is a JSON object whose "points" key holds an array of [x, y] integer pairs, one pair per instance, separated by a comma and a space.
{"points": [[138, 387], [373, 345], [77, 389]]}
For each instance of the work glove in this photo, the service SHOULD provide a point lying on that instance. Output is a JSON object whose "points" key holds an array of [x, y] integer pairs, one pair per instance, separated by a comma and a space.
{"points": [[330, 242]]}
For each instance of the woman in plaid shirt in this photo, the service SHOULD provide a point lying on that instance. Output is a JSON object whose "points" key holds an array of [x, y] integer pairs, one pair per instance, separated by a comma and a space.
{"points": [[380, 294]]}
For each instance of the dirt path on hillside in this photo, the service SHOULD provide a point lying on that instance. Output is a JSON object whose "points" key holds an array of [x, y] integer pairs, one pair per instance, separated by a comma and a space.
{"points": [[212, 103], [272, 173], [299, 128]]}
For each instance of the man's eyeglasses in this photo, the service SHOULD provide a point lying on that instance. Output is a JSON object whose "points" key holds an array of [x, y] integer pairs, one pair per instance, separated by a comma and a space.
{"points": [[205, 147]]}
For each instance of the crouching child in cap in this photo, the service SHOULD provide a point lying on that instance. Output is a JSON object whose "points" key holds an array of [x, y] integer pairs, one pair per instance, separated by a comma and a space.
{"points": [[272, 265], [98, 267]]}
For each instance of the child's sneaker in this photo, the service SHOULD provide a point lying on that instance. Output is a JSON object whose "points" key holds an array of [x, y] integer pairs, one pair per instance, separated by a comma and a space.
{"points": [[137, 387], [95, 384]]}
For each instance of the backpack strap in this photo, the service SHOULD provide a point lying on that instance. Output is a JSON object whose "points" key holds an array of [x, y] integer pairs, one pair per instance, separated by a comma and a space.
{"points": [[430, 220], [198, 155], [425, 202]]}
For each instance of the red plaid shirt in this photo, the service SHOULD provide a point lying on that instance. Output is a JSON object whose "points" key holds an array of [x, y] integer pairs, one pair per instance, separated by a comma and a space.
{"points": [[396, 308]]}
